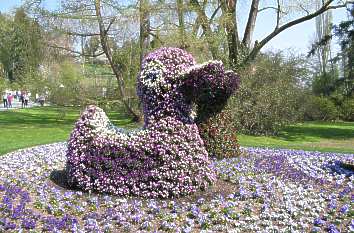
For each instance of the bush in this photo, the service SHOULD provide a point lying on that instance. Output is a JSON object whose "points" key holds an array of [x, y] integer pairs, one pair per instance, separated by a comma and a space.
{"points": [[66, 89], [347, 109], [320, 108], [220, 135], [269, 95]]}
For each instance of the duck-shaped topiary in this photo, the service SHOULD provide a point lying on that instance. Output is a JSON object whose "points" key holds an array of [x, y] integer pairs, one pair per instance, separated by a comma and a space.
{"points": [[167, 157]]}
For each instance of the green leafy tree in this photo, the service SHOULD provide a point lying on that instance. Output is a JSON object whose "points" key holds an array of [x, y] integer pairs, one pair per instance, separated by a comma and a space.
{"points": [[21, 46]]}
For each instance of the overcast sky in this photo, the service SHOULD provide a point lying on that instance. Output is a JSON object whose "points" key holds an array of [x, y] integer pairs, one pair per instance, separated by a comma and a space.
{"points": [[296, 39]]}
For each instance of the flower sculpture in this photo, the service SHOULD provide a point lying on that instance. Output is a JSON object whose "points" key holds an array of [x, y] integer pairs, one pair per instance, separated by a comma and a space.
{"points": [[167, 157]]}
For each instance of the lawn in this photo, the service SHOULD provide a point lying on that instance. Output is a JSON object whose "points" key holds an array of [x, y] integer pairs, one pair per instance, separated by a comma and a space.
{"points": [[29, 127], [41, 125], [318, 136], [265, 189]]}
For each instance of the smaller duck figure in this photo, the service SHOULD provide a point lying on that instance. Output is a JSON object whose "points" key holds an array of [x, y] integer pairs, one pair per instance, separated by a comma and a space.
{"points": [[167, 157]]}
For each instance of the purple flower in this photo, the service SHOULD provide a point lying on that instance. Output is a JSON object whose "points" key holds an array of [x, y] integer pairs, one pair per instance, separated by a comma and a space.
{"points": [[344, 209], [29, 224], [319, 222], [332, 204], [332, 229], [9, 225]]}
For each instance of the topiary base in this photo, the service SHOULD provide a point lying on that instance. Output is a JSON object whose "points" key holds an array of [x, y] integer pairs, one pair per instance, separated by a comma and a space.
{"points": [[219, 135]]}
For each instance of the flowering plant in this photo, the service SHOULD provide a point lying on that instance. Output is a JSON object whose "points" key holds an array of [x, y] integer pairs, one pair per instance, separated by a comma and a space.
{"points": [[167, 157]]}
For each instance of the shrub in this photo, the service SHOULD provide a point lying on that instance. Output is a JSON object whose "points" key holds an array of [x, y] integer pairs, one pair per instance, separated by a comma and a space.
{"points": [[269, 95], [220, 135], [347, 109], [66, 89], [320, 108]]}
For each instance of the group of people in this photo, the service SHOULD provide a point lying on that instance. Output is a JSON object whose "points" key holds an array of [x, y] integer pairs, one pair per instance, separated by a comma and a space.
{"points": [[8, 98]]}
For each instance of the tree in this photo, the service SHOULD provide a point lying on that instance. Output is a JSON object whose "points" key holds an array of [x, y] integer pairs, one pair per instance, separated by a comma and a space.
{"points": [[242, 51], [144, 35], [84, 19], [323, 29], [345, 32], [21, 50]]}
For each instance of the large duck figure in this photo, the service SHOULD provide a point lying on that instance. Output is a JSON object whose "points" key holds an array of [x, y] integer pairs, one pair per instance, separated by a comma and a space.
{"points": [[166, 158]]}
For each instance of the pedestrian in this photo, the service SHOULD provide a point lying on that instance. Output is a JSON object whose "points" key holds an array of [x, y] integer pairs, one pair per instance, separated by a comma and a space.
{"points": [[22, 98], [41, 100], [9, 100], [4, 99], [26, 100]]}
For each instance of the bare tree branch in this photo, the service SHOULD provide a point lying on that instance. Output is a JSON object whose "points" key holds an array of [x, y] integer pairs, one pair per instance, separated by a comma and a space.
{"points": [[110, 24], [304, 9], [214, 14], [278, 14], [108, 53], [267, 8], [74, 51], [80, 34], [258, 46], [204, 22]]}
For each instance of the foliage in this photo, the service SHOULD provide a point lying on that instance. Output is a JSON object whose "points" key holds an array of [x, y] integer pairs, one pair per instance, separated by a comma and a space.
{"points": [[324, 84], [167, 157], [21, 50], [66, 89], [269, 95], [220, 135], [127, 59], [320, 108], [3, 84], [347, 109], [344, 31]]}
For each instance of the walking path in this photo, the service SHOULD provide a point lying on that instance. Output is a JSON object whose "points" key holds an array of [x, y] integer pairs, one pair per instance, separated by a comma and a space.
{"points": [[16, 105]]}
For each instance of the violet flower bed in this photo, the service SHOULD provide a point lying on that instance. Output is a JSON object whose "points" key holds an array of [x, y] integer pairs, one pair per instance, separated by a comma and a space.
{"points": [[271, 191]]}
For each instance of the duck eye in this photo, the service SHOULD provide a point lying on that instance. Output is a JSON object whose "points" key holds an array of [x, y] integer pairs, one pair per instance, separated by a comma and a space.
{"points": [[152, 76]]}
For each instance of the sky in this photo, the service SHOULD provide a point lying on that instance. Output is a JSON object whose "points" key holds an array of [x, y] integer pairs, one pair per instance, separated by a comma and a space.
{"points": [[296, 39]]}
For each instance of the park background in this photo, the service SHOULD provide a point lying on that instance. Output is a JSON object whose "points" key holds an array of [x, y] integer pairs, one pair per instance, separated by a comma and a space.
{"points": [[296, 89]]}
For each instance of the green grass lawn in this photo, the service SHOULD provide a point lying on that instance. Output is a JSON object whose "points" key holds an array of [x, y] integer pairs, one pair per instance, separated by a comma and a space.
{"points": [[320, 136], [41, 125], [35, 126]]}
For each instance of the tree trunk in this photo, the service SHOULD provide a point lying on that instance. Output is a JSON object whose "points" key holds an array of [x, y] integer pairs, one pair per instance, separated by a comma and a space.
{"points": [[144, 28], [251, 23], [229, 14], [107, 51], [181, 27]]}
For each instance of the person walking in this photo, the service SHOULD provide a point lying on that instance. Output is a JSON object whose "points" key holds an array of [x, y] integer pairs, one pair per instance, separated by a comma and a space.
{"points": [[9, 100], [4, 99], [26, 100], [41, 100], [22, 98]]}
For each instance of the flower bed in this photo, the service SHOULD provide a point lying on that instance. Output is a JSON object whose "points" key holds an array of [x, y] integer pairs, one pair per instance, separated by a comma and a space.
{"points": [[264, 190]]}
